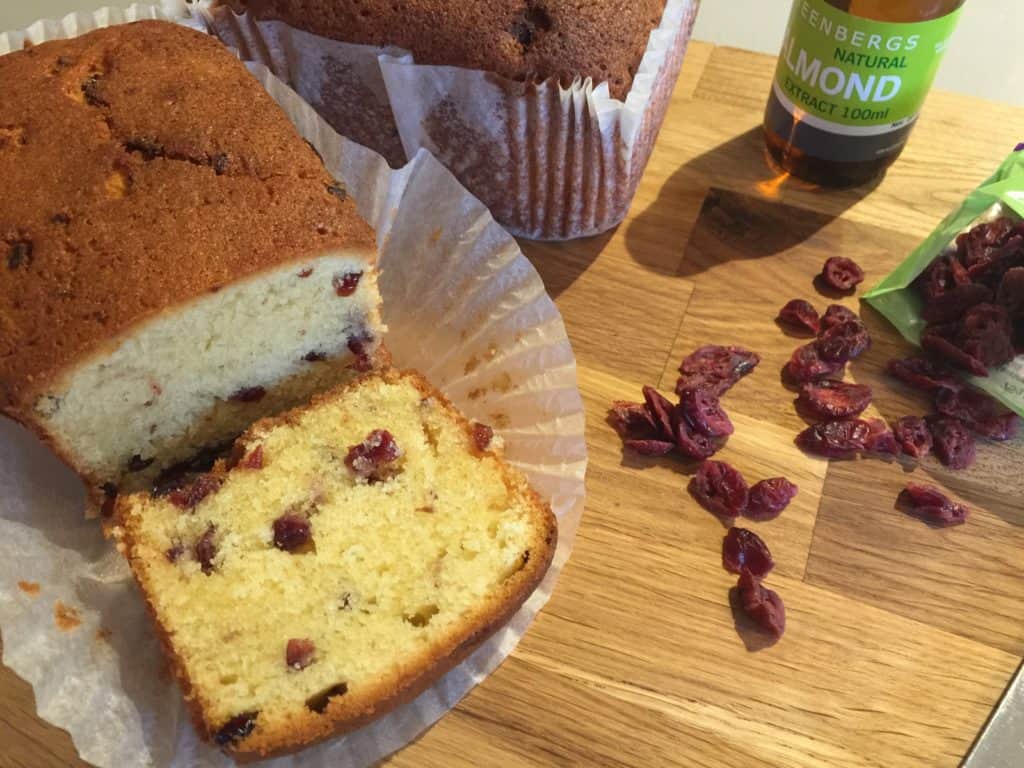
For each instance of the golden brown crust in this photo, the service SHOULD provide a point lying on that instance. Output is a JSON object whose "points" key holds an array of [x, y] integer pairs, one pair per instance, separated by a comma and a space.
{"points": [[352, 711], [519, 40], [143, 166]]}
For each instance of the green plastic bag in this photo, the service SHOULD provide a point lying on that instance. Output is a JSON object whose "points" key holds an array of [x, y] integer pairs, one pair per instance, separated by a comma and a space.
{"points": [[1002, 194]]}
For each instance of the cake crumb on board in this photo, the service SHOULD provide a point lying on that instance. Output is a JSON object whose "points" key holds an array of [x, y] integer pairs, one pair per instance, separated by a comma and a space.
{"points": [[66, 617], [30, 588]]}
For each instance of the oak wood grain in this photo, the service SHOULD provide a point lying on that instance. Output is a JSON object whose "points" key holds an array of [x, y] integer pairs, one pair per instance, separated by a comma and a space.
{"points": [[900, 637]]}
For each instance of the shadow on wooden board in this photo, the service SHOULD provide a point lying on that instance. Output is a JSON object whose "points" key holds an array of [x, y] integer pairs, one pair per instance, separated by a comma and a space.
{"points": [[740, 165]]}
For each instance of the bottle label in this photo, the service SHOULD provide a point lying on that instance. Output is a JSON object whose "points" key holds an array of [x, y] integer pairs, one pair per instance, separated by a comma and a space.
{"points": [[847, 75]]}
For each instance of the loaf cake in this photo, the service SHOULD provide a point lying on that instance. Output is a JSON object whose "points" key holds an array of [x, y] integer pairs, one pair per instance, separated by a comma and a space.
{"points": [[522, 40], [347, 555], [176, 260]]}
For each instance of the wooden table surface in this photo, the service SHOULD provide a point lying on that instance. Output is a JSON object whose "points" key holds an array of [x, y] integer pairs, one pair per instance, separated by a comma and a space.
{"points": [[900, 638]]}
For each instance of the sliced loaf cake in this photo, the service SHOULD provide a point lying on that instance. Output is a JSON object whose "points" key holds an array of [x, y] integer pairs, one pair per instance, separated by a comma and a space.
{"points": [[176, 260], [346, 556]]}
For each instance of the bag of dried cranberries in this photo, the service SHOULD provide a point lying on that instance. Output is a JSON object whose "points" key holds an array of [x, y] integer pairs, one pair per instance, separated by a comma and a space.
{"points": [[960, 294]]}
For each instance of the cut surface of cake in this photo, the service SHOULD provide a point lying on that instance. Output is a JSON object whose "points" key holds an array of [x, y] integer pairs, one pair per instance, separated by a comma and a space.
{"points": [[176, 260], [347, 555]]}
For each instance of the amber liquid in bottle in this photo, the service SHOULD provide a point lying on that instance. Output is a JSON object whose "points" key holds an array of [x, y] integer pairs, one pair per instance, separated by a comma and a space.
{"points": [[791, 142]]}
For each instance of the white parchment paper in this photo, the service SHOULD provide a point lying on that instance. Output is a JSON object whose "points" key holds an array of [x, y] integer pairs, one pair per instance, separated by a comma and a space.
{"points": [[551, 162], [463, 305]]}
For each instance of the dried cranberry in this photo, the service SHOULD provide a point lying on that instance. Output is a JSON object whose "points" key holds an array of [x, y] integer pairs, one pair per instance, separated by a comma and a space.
{"points": [[768, 498], [174, 553], [253, 459], [650, 447], [136, 463], [299, 653], [836, 314], [292, 531], [976, 244], [806, 364], [692, 443], [19, 254], [206, 549], [346, 284], [743, 550], [720, 488], [923, 374], [842, 274], [660, 410], [704, 413], [375, 456], [799, 313], [951, 305], [357, 346], [305, 272], [190, 496], [91, 92], [762, 605], [1011, 293], [236, 729], [841, 439], [913, 435], [980, 412], [249, 395], [109, 499], [952, 442], [715, 368], [831, 399], [844, 342], [986, 334], [935, 340], [881, 440], [314, 356], [482, 436], [632, 421], [931, 504]]}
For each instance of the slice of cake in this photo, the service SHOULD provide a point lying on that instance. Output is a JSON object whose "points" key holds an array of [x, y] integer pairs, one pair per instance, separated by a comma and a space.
{"points": [[176, 260], [347, 555]]}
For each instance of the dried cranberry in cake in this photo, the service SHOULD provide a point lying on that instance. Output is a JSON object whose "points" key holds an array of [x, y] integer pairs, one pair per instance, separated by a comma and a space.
{"points": [[482, 436], [19, 254], [881, 441], [720, 488], [704, 413], [830, 399], [253, 459], [923, 374], [249, 395], [206, 549], [836, 314], [913, 435], [236, 729], [806, 364], [174, 553], [743, 550], [357, 346], [306, 272], [109, 499], [799, 313], [768, 498], [190, 496], [715, 368], [660, 410], [842, 274], [841, 439], [632, 421], [952, 442], [931, 505], [346, 284], [843, 342], [375, 457], [299, 653], [691, 443], [762, 605], [292, 531]]}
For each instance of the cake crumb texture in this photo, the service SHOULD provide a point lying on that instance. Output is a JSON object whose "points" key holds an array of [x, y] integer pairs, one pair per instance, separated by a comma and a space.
{"points": [[518, 39], [357, 550]]}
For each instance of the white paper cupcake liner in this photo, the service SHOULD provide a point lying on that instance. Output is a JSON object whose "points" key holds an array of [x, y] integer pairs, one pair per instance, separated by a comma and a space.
{"points": [[550, 162], [463, 306]]}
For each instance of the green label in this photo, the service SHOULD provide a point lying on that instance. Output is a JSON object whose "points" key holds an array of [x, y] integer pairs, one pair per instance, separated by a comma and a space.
{"points": [[854, 76]]}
